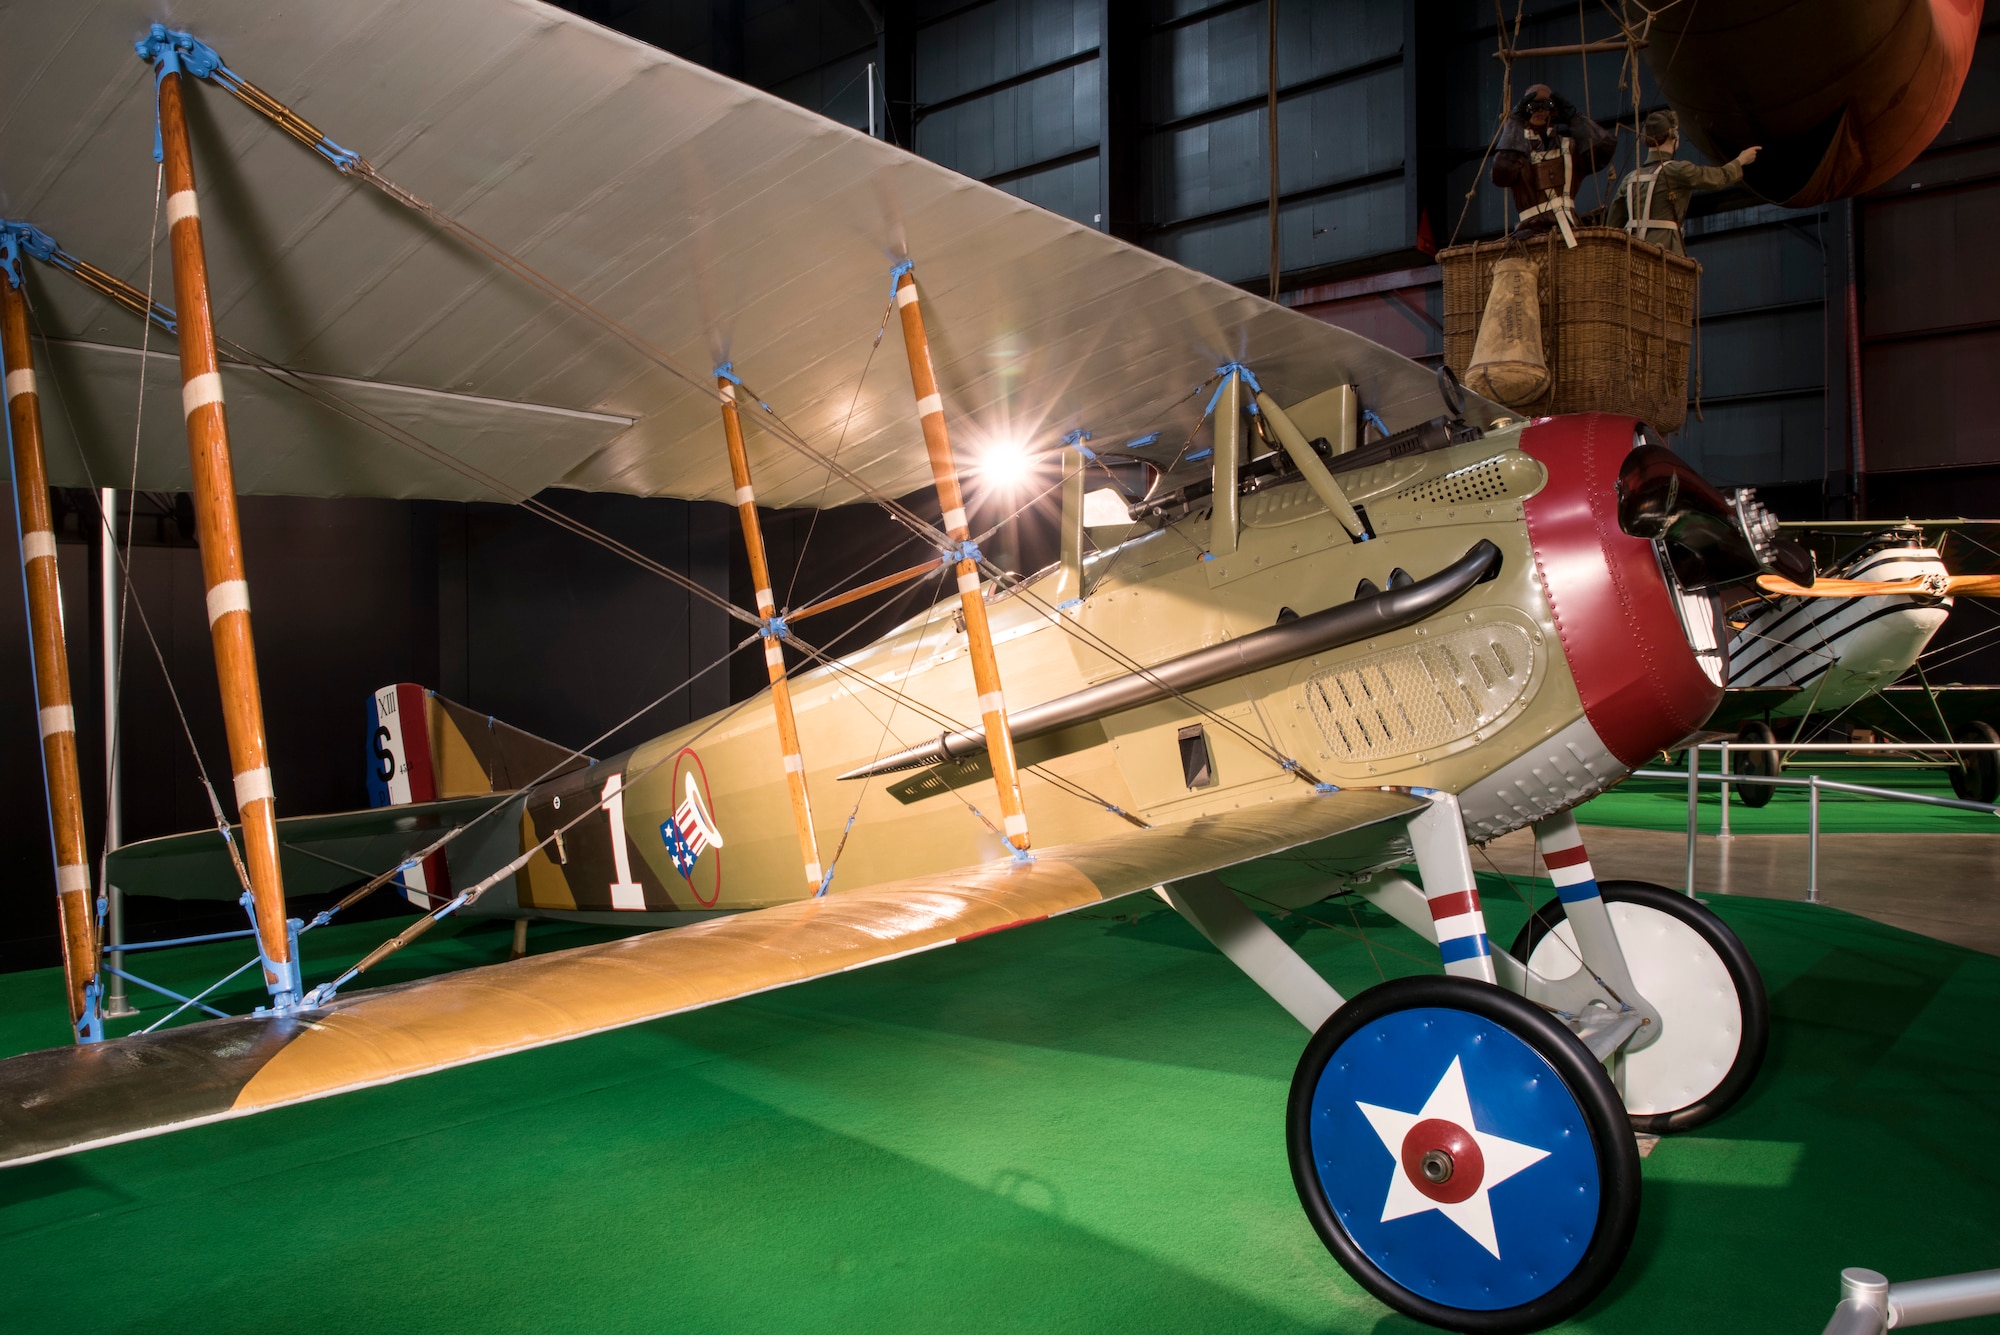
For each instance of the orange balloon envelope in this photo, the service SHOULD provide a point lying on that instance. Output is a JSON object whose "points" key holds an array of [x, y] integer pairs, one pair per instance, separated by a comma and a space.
{"points": [[1840, 94]]}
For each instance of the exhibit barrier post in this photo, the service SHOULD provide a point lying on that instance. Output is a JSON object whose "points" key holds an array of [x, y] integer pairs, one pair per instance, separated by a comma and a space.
{"points": [[1694, 811], [1812, 841], [117, 1005], [1723, 833]]}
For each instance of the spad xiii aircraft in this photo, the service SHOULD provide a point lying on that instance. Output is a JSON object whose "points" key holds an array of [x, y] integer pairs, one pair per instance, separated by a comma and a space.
{"points": [[1282, 657]]}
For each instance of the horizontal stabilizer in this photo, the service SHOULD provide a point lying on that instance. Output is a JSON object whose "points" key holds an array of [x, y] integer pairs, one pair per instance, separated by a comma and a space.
{"points": [[67, 1099], [321, 854]]}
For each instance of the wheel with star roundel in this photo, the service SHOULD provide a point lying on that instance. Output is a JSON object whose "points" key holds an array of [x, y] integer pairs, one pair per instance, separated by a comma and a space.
{"points": [[1462, 1155]]}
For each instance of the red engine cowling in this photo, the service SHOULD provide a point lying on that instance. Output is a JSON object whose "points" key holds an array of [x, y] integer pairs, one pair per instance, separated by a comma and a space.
{"points": [[1623, 622]]}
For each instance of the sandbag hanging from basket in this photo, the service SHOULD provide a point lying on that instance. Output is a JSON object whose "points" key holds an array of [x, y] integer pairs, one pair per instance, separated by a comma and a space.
{"points": [[1507, 363]]}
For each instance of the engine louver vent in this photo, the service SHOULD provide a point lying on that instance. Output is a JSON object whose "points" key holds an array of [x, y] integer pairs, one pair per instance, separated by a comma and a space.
{"points": [[1421, 696]]}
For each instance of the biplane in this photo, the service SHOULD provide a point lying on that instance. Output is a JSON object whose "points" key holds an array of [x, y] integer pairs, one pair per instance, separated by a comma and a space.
{"points": [[1280, 657], [1806, 668]]}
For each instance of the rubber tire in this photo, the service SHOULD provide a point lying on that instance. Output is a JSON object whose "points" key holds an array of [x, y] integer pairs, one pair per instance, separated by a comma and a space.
{"points": [[1976, 777], [1616, 1152], [1755, 1006], [1764, 764]]}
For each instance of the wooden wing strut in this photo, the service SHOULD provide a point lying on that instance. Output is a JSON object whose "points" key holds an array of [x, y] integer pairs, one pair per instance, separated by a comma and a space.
{"points": [[774, 654], [51, 661], [979, 636], [222, 548]]}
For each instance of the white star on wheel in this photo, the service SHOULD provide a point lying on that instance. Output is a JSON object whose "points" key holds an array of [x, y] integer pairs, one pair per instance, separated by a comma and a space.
{"points": [[1449, 1103]]}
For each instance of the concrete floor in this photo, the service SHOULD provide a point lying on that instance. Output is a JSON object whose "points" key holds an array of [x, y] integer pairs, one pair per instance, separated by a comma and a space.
{"points": [[1945, 886]]}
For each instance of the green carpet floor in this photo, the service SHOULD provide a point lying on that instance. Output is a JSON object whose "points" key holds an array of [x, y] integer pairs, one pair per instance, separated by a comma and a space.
{"points": [[1660, 804], [1073, 1126]]}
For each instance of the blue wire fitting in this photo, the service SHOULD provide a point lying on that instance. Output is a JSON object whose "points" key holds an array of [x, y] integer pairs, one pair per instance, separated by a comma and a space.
{"points": [[1208, 556], [90, 1027], [727, 371], [1199, 455], [344, 160], [1068, 603], [171, 51], [1074, 440], [896, 271], [17, 239], [962, 551], [1021, 856], [1324, 788], [1142, 442], [1226, 370], [184, 53], [1368, 415], [773, 627]]}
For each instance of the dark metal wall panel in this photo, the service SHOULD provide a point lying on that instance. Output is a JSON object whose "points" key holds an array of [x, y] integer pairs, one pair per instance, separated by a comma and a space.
{"points": [[1069, 188], [1929, 402], [975, 48], [1758, 258], [837, 90], [1341, 134], [1331, 134], [1326, 229], [1016, 127], [1761, 348], [784, 40], [1931, 261], [1009, 92], [1761, 442], [1764, 352]]}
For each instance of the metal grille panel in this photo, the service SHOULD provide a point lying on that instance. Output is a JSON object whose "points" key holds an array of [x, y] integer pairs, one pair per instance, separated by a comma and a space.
{"points": [[1484, 481], [1428, 694]]}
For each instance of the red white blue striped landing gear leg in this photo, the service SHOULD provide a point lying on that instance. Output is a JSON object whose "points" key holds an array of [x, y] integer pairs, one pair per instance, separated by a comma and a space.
{"points": [[1631, 948]]}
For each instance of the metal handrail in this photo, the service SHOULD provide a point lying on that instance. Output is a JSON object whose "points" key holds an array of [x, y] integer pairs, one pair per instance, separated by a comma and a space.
{"points": [[1870, 1304], [1814, 784]]}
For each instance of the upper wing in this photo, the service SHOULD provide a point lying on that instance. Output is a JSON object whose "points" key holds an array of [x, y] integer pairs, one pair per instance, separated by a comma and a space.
{"points": [[67, 1099], [717, 221]]}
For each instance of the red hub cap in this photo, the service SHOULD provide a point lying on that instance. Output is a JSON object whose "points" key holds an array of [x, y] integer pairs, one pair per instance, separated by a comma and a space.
{"points": [[1443, 1161]]}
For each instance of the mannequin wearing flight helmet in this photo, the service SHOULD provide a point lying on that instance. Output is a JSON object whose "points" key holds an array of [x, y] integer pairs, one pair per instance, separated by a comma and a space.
{"points": [[1655, 199], [1545, 151]]}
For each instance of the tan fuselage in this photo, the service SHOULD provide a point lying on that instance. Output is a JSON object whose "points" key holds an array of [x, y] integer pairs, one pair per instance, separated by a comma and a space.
{"points": [[1443, 704]]}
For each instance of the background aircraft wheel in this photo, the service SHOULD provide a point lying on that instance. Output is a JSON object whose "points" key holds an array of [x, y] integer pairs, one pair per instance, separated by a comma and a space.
{"points": [[1715, 1020], [1976, 776], [1462, 1155], [1762, 763]]}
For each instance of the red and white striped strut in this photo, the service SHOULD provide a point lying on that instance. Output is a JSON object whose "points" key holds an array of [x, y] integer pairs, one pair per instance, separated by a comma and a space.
{"points": [[1445, 863], [1560, 843]]}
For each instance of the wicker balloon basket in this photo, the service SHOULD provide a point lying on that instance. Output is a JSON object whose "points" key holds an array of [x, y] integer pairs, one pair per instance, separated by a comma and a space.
{"points": [[1617, 319]]}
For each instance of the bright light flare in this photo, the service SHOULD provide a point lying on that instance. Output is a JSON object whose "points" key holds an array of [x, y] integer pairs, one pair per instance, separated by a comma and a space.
{"points": [[1005, 466]]}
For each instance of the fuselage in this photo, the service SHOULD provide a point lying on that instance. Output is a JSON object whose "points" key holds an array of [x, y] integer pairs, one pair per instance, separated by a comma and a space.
{"points": [[1527, 694]]}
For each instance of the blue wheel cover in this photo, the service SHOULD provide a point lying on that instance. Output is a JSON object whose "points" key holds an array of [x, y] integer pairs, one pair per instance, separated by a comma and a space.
{"points": [[1525, 1186]]}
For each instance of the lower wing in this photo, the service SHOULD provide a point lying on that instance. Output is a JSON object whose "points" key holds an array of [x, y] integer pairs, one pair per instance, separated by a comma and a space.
{"points": [[63, 1100]]}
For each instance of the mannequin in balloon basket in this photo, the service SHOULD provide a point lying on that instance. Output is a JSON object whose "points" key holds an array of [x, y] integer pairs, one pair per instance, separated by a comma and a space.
{"points": [[1654, 201], [1545, 152]]}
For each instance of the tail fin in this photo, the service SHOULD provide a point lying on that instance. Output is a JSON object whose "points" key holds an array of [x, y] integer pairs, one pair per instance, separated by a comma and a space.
{"points": [[424, 748]]}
